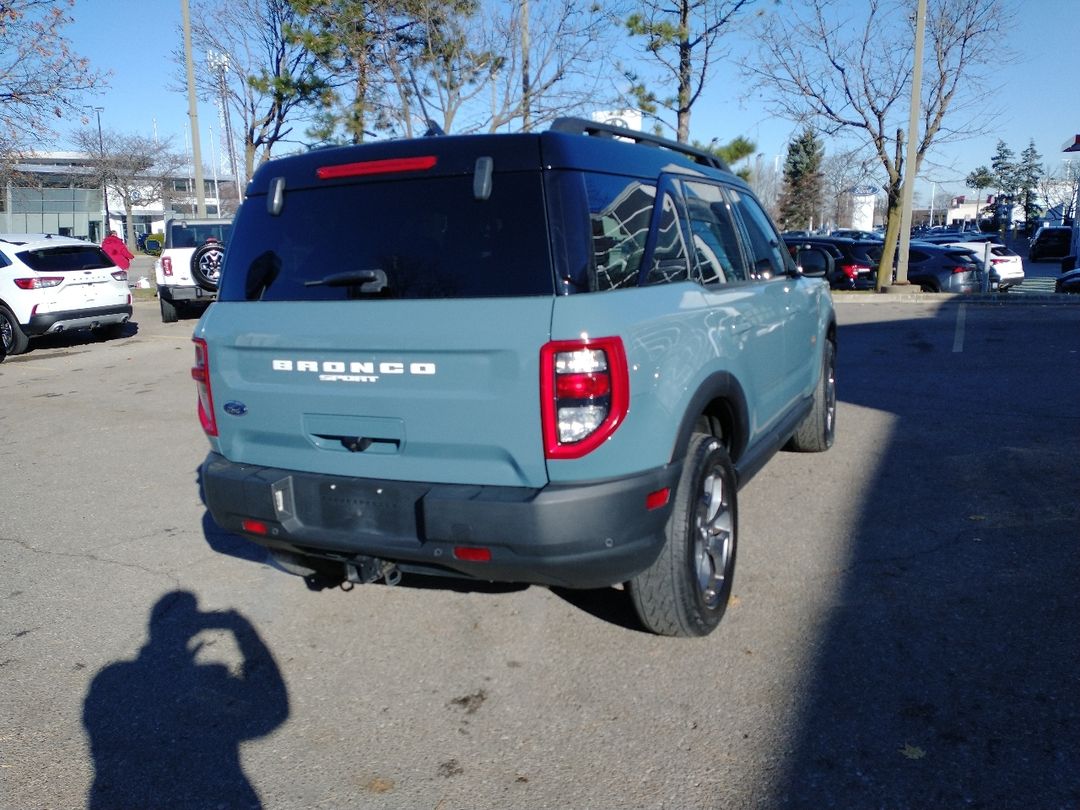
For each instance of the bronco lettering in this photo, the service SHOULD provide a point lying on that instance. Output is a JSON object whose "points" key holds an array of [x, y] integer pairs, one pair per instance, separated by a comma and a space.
{"points": [[354, 367]]}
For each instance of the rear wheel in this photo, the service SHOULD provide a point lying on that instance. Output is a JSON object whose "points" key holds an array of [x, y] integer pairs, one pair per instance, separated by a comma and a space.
{"points": [[686, 591], [14, 339], [169, 313]]}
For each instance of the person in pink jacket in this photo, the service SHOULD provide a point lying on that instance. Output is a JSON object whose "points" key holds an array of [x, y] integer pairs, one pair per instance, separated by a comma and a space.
{"points": [[117, 250]]}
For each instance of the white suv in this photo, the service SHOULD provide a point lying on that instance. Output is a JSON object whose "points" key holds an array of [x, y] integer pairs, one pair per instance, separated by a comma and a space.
{"points": [[52, 284], [187, 270]]}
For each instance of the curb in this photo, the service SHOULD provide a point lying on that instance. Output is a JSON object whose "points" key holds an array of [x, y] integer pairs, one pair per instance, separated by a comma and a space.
{"points": [[984, 299]]}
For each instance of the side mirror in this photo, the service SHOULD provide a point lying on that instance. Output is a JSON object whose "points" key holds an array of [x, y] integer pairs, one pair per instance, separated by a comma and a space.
{"points": [[814, 262]]}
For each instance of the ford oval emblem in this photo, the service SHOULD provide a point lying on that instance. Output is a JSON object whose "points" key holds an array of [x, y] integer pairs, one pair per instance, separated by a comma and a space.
{"points": [[234, 408]]}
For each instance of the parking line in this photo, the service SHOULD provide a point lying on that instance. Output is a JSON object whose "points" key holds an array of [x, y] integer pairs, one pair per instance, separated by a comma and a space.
{"points": [[958, 338]]}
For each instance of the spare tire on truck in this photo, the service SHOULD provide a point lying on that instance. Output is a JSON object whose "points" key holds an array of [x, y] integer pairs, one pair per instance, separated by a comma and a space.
{"points": [[206, 264]]}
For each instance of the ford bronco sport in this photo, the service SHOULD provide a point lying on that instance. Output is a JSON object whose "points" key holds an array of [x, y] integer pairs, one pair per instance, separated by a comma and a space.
{"points": [[543, 358]]}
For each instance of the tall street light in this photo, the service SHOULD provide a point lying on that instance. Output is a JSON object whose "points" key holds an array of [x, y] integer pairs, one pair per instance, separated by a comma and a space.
{"points": [[104, 175]]}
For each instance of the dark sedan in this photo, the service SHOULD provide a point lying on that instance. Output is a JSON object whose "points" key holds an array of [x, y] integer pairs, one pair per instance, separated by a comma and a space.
{"points": [[855, 261]]}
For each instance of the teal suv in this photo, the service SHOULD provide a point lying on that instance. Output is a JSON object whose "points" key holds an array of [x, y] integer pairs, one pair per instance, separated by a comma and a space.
{"points": [[544, 358]]}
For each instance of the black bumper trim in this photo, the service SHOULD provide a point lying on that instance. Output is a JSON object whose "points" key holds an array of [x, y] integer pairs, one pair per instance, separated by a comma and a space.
{"points": [[579, 536], [41, 324]]}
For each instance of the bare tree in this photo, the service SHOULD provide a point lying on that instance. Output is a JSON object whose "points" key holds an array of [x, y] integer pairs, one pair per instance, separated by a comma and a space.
{"points": [[841, 173], [41, 78], [134, 168], [507, 65], [683, 40], [270, 78], [852, 75], [1058, 187]]}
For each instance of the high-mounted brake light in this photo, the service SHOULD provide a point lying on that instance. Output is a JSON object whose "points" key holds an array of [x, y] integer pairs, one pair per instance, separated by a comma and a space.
{"points": [[585, 394], [200, 372], [367, 167]]}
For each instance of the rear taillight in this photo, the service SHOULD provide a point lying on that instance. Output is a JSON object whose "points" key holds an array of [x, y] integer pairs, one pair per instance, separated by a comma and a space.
{"points": [[166, 265], [852, 270], [120, 275], [585, 394], [960, 269], [38, 282], [200, 372]]}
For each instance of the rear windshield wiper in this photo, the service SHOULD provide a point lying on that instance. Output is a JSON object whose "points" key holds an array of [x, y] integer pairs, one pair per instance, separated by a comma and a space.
{"points": [[369, 281]]}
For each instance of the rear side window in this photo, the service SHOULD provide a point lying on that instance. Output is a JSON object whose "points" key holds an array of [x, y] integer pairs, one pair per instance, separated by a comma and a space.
{"points": [[620, 211], [65, 258], [670, 261], [428, 238]]}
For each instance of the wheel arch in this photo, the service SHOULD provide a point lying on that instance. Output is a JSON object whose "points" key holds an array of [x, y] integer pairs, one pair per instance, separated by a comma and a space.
{"points": [[719, 404]]}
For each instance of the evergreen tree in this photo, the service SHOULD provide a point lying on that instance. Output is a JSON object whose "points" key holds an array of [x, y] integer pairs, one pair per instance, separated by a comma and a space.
{"points": [[1003, 165], [1029, 172], [979, 179], [800, 195]]}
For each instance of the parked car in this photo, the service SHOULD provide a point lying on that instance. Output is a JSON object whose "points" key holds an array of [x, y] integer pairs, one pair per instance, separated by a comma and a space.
{"points": [[1050, 242], [853, 233], [855, 261], [950, 237], [51, 284], [188, 267], [1006, 266], [548, 357], [941, 268], [1068, 282]]}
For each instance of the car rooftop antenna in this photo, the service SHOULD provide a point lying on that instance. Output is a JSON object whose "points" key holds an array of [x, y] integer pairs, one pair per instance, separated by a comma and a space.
{"points": [[432, 128]]}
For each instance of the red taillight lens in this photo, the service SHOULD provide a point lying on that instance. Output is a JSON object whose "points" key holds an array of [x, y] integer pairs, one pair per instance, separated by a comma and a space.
{"points": [[960, 269], [200, 372], [166, 265], [120, 275], [38, 282], [410, 164], [585, 394], [852, 270]]}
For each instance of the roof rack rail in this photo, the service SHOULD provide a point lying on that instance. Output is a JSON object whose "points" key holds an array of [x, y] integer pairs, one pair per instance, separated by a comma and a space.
{"points": [[583, 126]]}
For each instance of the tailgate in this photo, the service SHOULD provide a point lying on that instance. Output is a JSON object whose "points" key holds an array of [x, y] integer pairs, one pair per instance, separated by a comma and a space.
{"points": [[85, 289], [443, 391]]}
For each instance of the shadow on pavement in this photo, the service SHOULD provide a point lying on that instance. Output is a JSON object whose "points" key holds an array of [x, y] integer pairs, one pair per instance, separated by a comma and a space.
{"points": [[165, 728], [948, 667]]}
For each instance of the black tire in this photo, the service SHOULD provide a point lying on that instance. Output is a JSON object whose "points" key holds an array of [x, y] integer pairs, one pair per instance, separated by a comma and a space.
{"points": [[206, 265], [686, 591], [818, 430], [14, 338], [169, 312]]}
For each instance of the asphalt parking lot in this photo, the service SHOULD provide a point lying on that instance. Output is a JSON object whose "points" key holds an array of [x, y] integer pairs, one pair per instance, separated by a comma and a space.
{"points": [[905, 629]]}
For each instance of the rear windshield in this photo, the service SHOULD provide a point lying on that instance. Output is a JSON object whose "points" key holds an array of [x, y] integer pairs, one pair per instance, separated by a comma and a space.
{"points": [[421, 238], [185, 235], [66, 257]]}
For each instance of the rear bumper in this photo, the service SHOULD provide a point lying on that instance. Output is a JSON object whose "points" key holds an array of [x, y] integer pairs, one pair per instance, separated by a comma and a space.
{"points": [[44, 323], [193, 294], [577, 536]]}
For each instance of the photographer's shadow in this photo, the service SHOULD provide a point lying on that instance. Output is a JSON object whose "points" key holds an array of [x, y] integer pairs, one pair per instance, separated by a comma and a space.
{"points": [[165, 729]]}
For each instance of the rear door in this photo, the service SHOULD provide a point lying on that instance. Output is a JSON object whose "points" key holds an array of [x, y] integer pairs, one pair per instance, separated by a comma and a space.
{"points": [[386, 329], [86, 274]]}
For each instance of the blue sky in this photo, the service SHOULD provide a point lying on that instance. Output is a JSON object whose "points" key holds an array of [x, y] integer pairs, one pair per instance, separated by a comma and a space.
{"points": [[134, 40]]}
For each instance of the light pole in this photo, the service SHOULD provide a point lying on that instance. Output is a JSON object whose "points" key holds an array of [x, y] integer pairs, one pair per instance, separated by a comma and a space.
{"points": [[104, 175]]}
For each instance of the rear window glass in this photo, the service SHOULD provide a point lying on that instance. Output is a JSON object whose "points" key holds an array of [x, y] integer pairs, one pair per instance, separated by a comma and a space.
{"points": [[185, 235], [428, 238], [64, 258]]}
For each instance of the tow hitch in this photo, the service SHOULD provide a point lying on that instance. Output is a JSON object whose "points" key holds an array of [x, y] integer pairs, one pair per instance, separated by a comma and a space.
{"points": [[364, 570]]}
